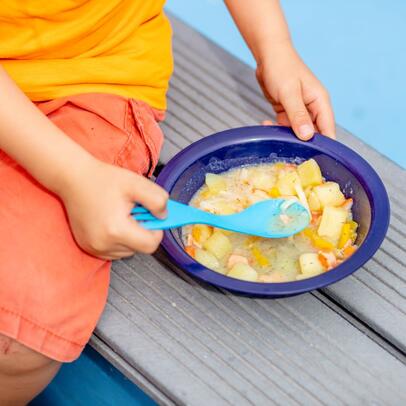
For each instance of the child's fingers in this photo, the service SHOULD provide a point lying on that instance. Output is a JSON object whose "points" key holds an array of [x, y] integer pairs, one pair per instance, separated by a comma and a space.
{"points": [[151, 196], [119, 254], [138, 239], [298, 115], [323, 111]]}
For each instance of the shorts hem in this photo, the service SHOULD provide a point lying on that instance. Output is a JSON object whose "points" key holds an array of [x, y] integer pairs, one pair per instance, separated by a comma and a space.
{"points": [[38, 338]]}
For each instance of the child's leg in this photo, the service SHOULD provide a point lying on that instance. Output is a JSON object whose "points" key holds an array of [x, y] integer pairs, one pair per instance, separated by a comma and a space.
{"points": [[24, 373], [52, 292]]}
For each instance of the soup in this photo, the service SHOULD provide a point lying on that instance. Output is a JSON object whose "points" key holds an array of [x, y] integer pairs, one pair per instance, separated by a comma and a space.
{"points": [[325, 243]]}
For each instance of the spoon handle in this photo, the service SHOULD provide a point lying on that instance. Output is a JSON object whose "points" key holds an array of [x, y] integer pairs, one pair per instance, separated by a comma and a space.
{"points": [[180, 214]]}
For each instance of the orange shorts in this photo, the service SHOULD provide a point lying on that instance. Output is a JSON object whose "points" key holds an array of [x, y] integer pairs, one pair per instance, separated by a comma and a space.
{"points": [[51, 292]]}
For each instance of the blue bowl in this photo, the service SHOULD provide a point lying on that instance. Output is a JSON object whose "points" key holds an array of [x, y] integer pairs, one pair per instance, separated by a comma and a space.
{"points": [[185, 173]]}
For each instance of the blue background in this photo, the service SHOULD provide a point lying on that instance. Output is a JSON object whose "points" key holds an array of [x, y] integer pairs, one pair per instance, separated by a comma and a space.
{"points": [[356, 48], [91, 380]]}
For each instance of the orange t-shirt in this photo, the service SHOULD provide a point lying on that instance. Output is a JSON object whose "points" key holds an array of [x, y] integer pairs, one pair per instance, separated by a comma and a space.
{"points": [[60, 48]]}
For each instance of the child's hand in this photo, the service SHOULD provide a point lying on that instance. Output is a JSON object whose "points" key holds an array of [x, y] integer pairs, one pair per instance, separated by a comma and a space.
{"points": [[98, 197], [297, 97], [98, 201]]}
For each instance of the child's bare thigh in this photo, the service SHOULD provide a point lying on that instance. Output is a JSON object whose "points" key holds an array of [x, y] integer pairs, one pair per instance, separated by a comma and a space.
{"points": [[23, 372]]}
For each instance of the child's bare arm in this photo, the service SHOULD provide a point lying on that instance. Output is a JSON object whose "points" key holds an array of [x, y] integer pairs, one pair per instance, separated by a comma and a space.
{"points": [[298, 98], [99, 215], [33, 141]]}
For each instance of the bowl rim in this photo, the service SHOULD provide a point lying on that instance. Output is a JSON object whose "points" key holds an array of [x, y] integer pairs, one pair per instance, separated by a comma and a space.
{"points": [[370, 181]]}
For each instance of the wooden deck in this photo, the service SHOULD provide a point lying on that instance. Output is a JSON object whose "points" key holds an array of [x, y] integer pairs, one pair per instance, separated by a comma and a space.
{"points": [[188, 343]]}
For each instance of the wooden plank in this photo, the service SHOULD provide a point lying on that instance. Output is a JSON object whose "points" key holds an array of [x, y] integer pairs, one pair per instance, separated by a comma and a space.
{"points": [[129, 371], [202, 346]]}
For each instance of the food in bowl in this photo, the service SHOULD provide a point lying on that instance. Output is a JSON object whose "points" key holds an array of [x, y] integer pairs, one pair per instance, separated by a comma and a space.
{"points": [[327, 242], [185, 173]]}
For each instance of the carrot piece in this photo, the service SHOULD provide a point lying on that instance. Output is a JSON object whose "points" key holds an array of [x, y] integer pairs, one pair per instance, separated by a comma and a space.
{"points": [[347, 204], [323, 261], [259, 257], [348, 251], [191, 250], [327, 259], [274, 192], [318, 241], [353, 225], [279, 165], [308, 233], [322, 243], [346, 234], [315, 217], [290, 166]]}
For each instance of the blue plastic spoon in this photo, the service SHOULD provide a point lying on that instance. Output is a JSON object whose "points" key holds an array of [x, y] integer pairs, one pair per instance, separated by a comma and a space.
{"points": [[273, 218]]}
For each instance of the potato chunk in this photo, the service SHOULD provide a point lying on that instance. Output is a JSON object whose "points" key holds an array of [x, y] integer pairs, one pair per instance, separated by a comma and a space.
{"points": [[224, 208], [244, 272], [309, 173], [286, 183], [314, 202], [263, 180], [332, 222], [329, 194], [207, 259], [218, 244], [257, 196], [215, 183], [285, 263], [310, 264]]}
